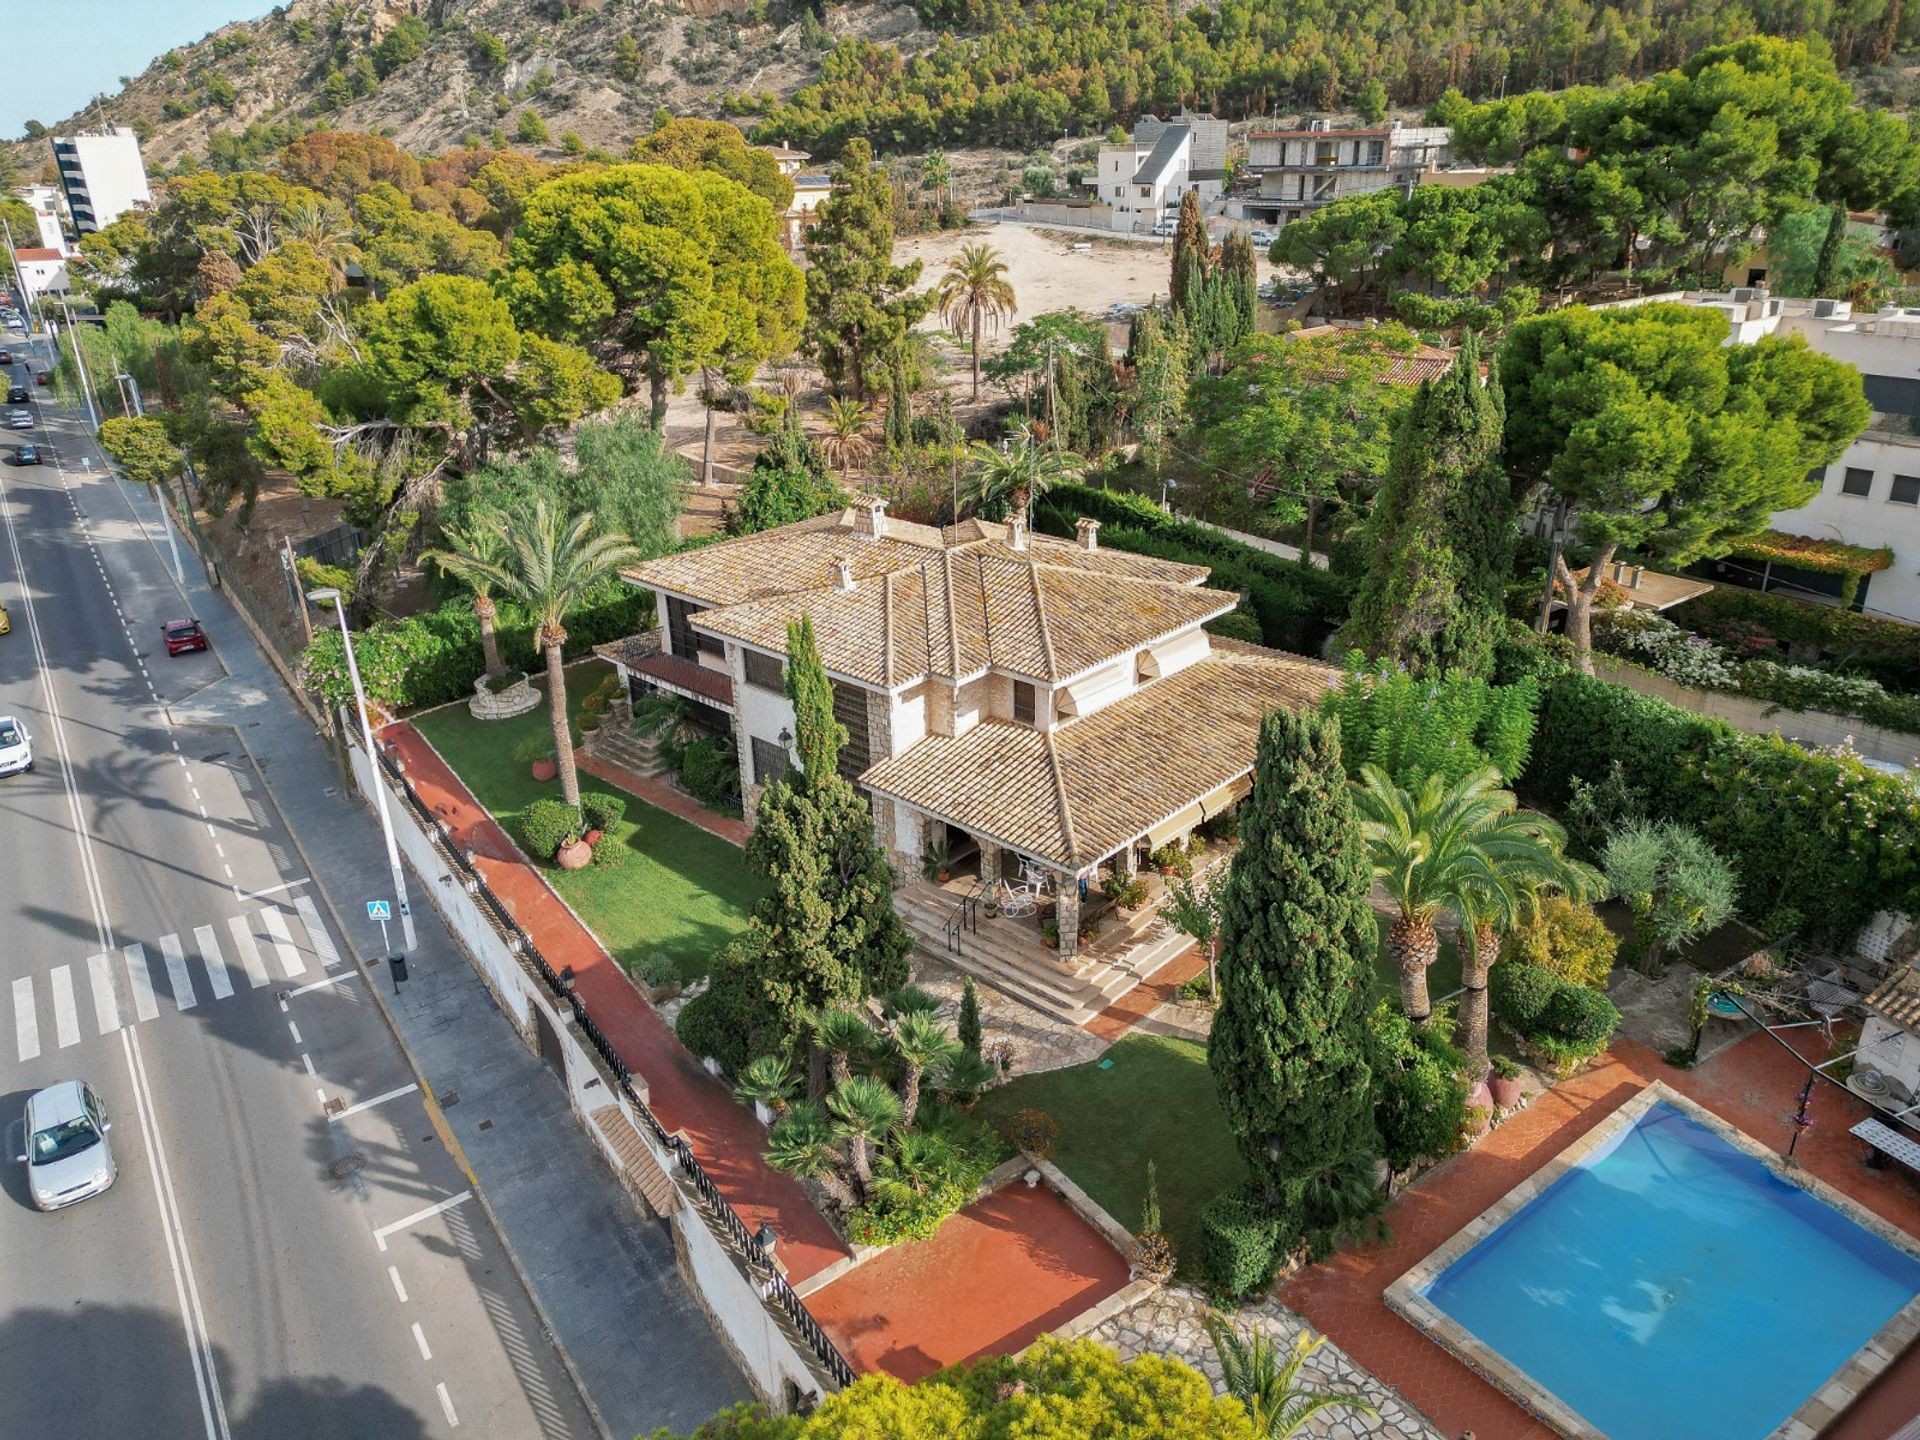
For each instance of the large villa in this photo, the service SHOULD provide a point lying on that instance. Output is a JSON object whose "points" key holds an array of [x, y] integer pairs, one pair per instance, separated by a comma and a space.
{"points": [[1009, 699]]}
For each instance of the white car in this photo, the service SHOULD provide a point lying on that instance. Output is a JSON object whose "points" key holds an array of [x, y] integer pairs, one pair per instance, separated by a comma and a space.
{"points": [[1263, 239], [16, 747], [19, 419], [68, 1159]]}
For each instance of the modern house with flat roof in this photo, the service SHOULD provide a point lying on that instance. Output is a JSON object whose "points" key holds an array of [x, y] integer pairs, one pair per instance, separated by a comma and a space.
{"points": [[1298, 171], [103, 175]]}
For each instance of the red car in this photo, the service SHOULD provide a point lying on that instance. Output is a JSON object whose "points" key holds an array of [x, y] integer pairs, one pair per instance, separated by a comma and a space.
{"points": [[182, 636]]}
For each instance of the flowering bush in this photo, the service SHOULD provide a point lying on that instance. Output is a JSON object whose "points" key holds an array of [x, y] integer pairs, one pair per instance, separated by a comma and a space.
{"points": [[1665, 648]]}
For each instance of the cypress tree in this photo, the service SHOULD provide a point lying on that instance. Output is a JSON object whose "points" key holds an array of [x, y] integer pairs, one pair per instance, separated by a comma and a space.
{"points": [[1240, 271], [1441, 530], [968, 1030], [1190, 252], [899, 427], [1296, 954]]}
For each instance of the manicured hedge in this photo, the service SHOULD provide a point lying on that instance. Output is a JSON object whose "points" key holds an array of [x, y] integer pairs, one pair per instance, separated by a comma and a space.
{"points": [[434, 657], [1886, 650], [1563, 1022], [1297, 606], [1820, 842]]}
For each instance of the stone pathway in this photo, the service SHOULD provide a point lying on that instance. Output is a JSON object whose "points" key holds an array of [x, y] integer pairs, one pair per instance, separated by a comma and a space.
{"points": [[1171, 1322]]}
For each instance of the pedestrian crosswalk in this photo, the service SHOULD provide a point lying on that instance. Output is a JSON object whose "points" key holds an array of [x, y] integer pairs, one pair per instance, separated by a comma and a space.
{"points": [[172, 973]]}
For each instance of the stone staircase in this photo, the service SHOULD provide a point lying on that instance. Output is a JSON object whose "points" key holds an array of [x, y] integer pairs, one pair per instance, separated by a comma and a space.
{"points": [[640, 1173], [615, 742], [1009, 956]]}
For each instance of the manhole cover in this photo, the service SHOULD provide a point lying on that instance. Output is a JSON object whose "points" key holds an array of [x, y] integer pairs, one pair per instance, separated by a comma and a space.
{"points": [[347, 1165], [486, 1124], [449, 1099]]}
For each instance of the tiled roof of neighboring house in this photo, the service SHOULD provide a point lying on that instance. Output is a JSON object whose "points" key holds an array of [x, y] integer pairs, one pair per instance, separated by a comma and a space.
{"points": [[1898, 999], [1163, 154], [1095, 784], [786, 152], [1426, 363], [37, 252]]}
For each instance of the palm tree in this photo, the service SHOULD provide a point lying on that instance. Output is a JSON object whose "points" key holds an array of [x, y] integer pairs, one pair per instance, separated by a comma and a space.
{"points": [[805, 1144], [481, 548], [864, 1111], [842, 1034], [767, 1080], [1523, 856], [1269, 1387], [325, 229], [936, 173], [550, 566], [1019, 471], [973, 293], [922, 1045], [1424, 851], [846, 445]]}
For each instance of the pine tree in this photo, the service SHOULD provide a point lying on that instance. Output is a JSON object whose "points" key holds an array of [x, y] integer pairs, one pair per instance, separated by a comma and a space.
{"points": [[1296, 952], [1190, 250], [1442, 530]]}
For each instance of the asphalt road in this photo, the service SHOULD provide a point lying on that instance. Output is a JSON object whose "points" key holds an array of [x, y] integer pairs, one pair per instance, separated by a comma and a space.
{"points": [[292, 1249]]}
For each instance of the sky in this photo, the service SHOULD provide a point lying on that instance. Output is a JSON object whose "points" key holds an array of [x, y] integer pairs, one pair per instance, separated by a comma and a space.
{"points": [[89, 44]]}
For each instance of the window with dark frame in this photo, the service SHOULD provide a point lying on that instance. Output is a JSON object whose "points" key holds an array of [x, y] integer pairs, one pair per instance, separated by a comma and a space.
{"points": [[1856, 481], [685, 641], [770, 761], [765, 671], [1905, 491], [1023, 702]]}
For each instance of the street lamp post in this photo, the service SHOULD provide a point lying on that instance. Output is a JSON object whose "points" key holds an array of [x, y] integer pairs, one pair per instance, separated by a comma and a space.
{"points": [[321, 597], [138, 407]]}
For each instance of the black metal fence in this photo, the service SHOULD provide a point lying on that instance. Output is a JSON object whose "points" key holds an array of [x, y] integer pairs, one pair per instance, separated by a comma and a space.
{"points": [[560, 984]]}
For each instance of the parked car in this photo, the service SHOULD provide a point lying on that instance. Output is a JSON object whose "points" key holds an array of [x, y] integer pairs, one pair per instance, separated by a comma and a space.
{"points": [[182, 636], [1263, 239], [27, 455], [68, 1158], [19, 419], [16, 747], [1164, 228]]}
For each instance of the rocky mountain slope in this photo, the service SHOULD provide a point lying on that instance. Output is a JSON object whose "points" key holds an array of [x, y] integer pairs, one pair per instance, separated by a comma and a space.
{"points": [[431, 72]]}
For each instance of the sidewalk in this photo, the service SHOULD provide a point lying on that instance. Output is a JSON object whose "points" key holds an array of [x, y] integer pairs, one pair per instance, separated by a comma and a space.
{"points": [[725, 1137], [605, 1280]]}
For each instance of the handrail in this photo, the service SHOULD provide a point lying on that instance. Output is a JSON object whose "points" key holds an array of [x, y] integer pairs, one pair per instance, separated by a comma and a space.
{"points": [[963, 915], [774, 1284]]}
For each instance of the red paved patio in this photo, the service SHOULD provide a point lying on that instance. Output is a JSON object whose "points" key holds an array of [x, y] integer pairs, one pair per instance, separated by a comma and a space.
{"points": [[996, 1277], [1752, 1084], [683, 1095]]}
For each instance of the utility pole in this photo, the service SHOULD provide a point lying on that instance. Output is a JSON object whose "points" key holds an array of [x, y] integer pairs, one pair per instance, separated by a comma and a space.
{"points": [[293, 581], [131, 400], [80, 363]]}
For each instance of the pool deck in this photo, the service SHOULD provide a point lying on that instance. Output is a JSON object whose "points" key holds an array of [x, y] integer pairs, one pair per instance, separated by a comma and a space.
{"points": [[1752, 1085]]}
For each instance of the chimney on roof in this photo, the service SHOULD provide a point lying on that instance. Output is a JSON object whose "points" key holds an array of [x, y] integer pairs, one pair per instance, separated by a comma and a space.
{"points": [[1633, 577], [870, 518], [1619, 572], [842, 574], [1087, 531], [1017, 531]]}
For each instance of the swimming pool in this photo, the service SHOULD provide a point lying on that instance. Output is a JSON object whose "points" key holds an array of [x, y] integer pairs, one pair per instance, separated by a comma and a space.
{"points": [[1665, 1279]]}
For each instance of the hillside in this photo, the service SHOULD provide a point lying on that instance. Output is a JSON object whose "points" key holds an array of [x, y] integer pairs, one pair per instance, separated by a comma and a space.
{"points": [[431, 72]]}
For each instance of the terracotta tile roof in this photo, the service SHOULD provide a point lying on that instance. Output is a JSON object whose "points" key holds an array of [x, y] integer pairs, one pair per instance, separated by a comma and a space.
{"points": [[687, 677], [927, 601], [1093, 785], [37, 252], [1898, 999]]}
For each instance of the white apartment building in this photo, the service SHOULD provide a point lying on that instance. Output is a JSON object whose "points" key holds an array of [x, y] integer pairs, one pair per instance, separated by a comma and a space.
{"points": [[1144, 180], [43, 270], [1301, 170], [1870, 496], [103, 176], [48, 205]]}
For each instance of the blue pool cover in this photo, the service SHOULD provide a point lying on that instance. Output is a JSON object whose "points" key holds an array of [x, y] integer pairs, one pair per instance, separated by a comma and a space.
{"points": [[1672, 1287]]}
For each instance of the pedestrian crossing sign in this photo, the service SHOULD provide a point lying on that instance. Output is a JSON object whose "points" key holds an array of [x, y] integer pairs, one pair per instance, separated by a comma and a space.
{"points": [[379, 910]]}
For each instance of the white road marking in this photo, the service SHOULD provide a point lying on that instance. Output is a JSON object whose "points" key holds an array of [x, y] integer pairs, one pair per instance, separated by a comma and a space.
{"points": [[307, 1060], [275, 920], [249, 952], [177, 976], [420, 1339], [26, 1025], [317, 985], [106, 1007], [446, 1404], [275, 890], [393, 1273], [369, 1104], [219, 981], [296, 1033], [380, 1235], [66, 1014], [140, 981], [323, 945]]}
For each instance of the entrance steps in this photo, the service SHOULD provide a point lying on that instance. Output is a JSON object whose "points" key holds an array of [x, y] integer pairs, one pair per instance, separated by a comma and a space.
{"points": [[615, 742], [1008, 954]]}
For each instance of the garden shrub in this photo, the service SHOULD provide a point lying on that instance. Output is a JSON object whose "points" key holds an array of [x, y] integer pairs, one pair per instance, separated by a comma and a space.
{"points": [[1580, 1016], [710, 771], [1243, 1239], [1520, 994], [546, 825], [1420, 1086], [1236, 625], [1567, 939], [1747, 621], [1033, 1132], [1562, 1022], [601, 810]]}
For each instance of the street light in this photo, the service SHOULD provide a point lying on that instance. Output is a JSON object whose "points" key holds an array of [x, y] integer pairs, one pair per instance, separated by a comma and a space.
{"points": [[321, 597]]}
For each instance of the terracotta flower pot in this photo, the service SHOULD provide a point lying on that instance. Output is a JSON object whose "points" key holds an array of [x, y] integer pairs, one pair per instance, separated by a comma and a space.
{"points": [[545, 770], [593, 837], [576, 856], [1506, 1092]]}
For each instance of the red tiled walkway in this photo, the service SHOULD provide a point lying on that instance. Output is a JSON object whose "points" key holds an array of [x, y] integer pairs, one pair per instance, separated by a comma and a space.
{"points": [[995, 1278], [1751, 1084], [663, 796], [724, 1137], [1141, 1001]]}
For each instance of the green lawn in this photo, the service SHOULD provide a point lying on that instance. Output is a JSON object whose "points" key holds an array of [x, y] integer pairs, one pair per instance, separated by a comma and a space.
{"points": [[1148, 1098], [681, 893]]}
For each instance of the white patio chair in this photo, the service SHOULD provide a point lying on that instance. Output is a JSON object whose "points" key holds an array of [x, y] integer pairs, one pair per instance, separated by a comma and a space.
{"points": [[1024, 898]]}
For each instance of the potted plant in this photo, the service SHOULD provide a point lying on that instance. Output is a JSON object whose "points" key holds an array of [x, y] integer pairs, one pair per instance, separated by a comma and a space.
{"points": [[537, 751], [936, 861], [575, 854], [1171, 859], [1505, 1083], [1050, 934], [767, 1084], [659, 977]]}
